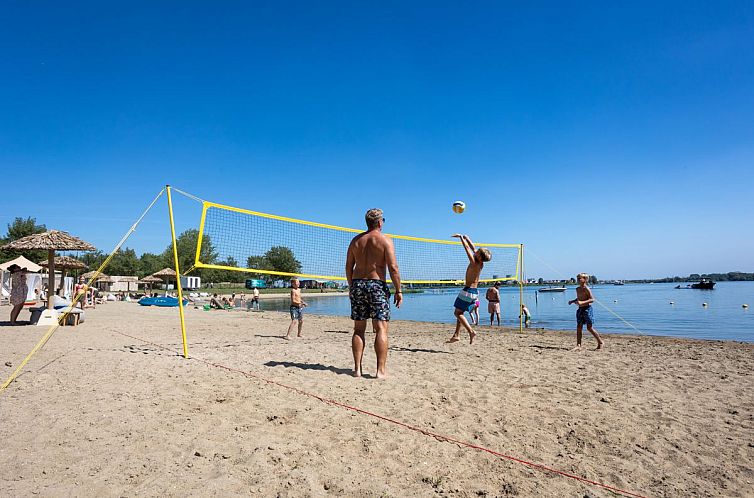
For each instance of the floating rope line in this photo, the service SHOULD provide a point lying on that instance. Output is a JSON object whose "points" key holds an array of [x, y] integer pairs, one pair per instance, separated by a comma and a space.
{"points": [[438, 437]]}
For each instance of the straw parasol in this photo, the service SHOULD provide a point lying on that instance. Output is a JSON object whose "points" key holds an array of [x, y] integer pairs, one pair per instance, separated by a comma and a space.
{"points": [[51, 240], [165, 274], [65, 263], [88, 275], [149, 280]]}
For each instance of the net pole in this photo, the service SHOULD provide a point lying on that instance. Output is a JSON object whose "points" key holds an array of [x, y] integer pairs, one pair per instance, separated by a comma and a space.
{"points": [[177, 272], [520, 288]]}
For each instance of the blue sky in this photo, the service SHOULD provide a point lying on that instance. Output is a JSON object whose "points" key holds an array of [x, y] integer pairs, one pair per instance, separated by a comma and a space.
{"points": [[615, 139]]}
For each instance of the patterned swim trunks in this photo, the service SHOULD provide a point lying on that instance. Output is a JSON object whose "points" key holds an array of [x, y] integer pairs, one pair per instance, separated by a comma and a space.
{"points": [[466, 300], [584, 315], [369, 299], [297, 313]]}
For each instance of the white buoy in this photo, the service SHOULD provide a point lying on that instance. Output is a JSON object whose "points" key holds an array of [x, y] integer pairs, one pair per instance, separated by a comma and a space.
{"points": [[671, 302], [745, 306], [615, 300], [704, 304]]}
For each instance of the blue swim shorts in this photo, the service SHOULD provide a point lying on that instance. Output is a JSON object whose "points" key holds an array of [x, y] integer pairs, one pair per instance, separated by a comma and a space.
{"points": [[466, 300], [369, 299], [584, 316], [297, 313]]}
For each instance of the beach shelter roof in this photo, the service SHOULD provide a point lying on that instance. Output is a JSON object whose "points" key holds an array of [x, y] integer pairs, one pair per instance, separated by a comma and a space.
{"points": [[150, 279], [23, 263], [90, 274], [165, 273], [51, 240], [66, 262]]}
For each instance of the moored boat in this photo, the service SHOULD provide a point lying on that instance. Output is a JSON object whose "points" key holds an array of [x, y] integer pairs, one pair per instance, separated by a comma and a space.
{"points": [[162, 301], [552, 289]]}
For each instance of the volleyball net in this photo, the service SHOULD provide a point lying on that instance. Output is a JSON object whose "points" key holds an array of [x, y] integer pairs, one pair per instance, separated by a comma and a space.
{"points": [[236, 239]]}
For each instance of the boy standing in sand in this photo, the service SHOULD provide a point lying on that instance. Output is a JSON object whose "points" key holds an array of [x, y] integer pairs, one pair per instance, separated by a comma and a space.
{"points": [[467, 298], [584, 300], [297, 309]]}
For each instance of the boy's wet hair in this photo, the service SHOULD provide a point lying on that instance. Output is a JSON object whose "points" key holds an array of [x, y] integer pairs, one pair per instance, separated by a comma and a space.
{"points": [[585, 275], [485, 254]]}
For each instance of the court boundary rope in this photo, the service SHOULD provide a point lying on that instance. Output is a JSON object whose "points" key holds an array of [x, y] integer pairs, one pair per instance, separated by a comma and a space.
{"points": [[438, 437]]}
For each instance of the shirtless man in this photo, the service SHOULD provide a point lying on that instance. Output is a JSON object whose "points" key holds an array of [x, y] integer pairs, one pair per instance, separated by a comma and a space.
{"points": [[467, 297], [493, 302], [584, 300], [368, 255]]}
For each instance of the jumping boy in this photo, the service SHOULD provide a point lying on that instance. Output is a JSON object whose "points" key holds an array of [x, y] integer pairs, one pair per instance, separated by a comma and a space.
{"points": [[467, 298], [584, 315], [297, 309]]}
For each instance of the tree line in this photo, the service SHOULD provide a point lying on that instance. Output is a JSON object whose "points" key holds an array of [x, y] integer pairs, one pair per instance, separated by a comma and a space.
{"points": [[126, 262]]}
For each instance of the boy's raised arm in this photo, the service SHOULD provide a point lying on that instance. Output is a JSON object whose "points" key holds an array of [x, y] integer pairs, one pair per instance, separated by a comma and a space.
{"points": [[465, 241]]}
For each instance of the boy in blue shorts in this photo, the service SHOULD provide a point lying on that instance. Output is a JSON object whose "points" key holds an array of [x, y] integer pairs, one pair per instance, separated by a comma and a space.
{"points": [[584, 316], [297, 309], [467, 298]]}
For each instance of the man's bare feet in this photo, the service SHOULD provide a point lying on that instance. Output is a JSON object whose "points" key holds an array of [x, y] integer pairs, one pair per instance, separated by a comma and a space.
{"points": [[472, 334], [357, 373], [298, 335], [381, 375], [454, 339], [577, 348], [599, 345]]}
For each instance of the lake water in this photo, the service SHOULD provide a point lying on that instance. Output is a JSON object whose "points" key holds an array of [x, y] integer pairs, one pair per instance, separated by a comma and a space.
{"points": [[644, 306]]}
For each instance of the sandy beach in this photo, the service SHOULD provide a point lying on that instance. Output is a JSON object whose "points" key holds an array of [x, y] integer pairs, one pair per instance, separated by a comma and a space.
{"points": [[105, 410]]}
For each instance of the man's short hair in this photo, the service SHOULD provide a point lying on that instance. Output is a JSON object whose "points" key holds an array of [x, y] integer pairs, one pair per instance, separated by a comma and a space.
{"points": [[373, 217], [497, 284], [585, 275], [485, 254]]}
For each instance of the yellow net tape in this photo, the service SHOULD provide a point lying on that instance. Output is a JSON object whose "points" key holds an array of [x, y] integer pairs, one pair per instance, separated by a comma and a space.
{"points": [[237, 239]]}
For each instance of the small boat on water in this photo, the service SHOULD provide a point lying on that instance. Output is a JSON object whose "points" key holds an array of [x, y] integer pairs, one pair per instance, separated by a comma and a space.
{"points": [[552, 289], [161, 301], [704, 283]]}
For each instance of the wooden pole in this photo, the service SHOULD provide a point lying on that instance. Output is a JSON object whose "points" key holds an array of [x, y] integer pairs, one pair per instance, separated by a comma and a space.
{"points": [[51, 291]]}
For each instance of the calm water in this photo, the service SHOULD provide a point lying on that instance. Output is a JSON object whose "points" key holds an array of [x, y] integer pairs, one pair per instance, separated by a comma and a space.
{"points": [[645, 306]]}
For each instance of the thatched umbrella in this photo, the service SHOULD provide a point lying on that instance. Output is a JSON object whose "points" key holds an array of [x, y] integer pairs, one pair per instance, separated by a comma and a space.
{"points": [[88, 275], [149, 280], [65, 263], [51, 240], [165, 274]]}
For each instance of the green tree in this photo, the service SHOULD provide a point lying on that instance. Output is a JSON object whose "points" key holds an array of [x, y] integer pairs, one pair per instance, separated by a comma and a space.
{"points": [[94, 259], [124, 262], [18, 229], [186, 244], [280, 258], [592, 279], [150, 263]]}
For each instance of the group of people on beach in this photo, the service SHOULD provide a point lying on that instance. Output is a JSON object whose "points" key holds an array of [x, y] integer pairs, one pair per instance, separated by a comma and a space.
{"points": [[371, 255]]}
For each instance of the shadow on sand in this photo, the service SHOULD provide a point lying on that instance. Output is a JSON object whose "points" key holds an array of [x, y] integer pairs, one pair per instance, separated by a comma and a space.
{"points": [[417, 350], [309, 366]]}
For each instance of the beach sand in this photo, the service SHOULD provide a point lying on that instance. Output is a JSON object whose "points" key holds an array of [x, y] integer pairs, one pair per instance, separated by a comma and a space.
{"points": [[98, 413]]}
